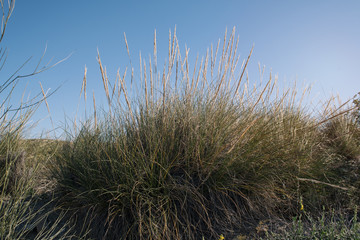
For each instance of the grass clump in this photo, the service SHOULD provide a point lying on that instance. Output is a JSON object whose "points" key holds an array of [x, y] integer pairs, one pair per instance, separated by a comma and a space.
{"points": [[192, 156]]}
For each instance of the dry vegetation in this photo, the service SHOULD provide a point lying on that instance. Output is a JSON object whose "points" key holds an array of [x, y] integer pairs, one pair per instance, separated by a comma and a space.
{"points": [[197, 153]]}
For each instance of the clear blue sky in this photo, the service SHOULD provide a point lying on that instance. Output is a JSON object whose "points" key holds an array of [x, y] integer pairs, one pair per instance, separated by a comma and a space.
{"points": [[316, 42]]}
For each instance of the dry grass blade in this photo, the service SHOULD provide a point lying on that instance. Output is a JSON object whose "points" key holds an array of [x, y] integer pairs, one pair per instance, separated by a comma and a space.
{"points": [[6, 16], [104, 79], [237, 140], [164, 86], [145, 88], [192, 90], [324, 183], [127, 47], [155, 53], [47, 105], [151, 81], [260, 96], [123, 87], [95, 119], [243, 71], [221, 63], [83, 86], [336, 115], [213, 58]]}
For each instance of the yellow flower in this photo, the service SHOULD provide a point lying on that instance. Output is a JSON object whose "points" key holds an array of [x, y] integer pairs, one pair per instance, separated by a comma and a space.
{"points": [[301, 204], [221, 237]]}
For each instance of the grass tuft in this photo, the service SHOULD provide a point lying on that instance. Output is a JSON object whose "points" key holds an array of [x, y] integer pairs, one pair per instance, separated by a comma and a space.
{"points": [[193, 156]]}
